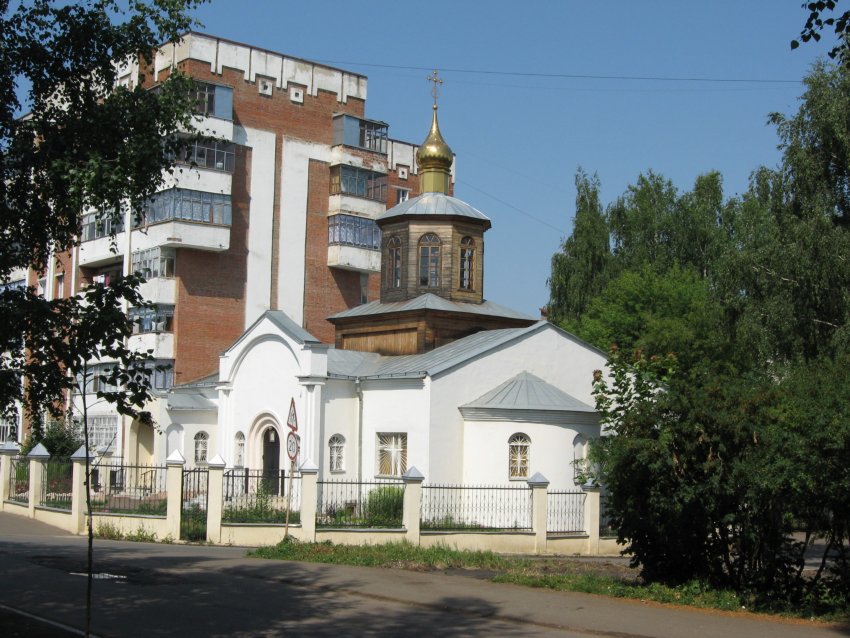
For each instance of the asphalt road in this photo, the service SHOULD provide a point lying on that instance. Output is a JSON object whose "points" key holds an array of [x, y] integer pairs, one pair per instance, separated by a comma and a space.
{"points": [[185, 590]]}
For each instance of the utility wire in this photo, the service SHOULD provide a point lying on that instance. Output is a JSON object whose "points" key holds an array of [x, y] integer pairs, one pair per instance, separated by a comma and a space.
{"points": [[511, 206], [571, 76]]}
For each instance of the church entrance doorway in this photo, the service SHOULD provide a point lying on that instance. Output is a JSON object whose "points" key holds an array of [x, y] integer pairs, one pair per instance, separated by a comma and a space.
{"points": [[271, 462]]}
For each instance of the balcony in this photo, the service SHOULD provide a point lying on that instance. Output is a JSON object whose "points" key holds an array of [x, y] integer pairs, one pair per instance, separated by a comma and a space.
{"points": [[180, 217], [96, 247], [366, 134], [354, 243], [161, 343]]}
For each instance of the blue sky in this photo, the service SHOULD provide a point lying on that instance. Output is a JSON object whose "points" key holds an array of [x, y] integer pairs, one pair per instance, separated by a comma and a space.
{"points": [[519, 138]]}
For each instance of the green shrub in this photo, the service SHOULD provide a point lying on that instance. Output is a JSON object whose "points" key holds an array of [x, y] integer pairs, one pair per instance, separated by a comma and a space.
{"points": [[385, 507]]}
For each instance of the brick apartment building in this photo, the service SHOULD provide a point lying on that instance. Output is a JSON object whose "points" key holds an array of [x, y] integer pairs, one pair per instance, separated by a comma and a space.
{"points": [[279, 214]]}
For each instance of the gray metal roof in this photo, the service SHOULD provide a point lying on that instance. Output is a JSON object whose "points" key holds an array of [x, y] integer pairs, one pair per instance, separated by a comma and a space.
{"points": [[189, 401], [348, 363], [211, 380], [284, 322], [528, 392], [430, 301], [434, 204]]}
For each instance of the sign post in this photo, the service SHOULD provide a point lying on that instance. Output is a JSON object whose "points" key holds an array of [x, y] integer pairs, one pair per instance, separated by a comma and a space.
{"points": [[292, 446]]}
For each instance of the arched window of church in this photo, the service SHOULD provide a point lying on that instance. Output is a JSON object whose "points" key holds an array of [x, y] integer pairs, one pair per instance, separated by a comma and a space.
{"points": [[518, 454], [467, 263], [394, 263], [429, 260], [201, 444], [579, 459], [336, 444], [240, 450]]}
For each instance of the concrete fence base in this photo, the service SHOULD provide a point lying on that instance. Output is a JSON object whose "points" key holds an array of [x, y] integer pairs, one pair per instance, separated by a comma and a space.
{"points": [[167, 528]]}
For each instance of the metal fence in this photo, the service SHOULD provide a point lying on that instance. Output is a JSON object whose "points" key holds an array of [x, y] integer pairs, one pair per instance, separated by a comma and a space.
{"points": [[56, 484], [466, 507], [258, 496], [129, 489], [19, 480], [193, 511], [566, 512], [360, 504]]}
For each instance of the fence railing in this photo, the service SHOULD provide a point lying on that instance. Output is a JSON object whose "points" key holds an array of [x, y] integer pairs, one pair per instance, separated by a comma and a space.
{"points": [[129, 489], [260, 496], [19, 480], [565, 512], [193, 509], [56, 484], [466, 507], [360, 504]]}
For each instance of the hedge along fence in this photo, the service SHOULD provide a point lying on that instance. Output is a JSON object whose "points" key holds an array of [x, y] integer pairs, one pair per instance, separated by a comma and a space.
{"points": [[476, 507], [129, 489], [259, 496], [56, 484], [374, 504]]}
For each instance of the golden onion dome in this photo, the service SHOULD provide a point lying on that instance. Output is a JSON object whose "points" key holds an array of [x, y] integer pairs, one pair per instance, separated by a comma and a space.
{"points": [[434, 153]]}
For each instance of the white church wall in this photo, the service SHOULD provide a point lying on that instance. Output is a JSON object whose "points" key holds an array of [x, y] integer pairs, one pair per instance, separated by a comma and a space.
{"points": [[181, 428], [340, 414], [547, 353], [396, 406]]}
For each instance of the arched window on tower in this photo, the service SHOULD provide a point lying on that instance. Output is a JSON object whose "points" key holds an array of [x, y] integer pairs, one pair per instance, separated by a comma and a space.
{"points": [[467, 263], [518, 448], [394, 263], [429, 260]]}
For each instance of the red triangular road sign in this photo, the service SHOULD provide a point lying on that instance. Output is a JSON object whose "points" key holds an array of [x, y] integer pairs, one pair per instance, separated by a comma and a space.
{"points": [[292, 420]]}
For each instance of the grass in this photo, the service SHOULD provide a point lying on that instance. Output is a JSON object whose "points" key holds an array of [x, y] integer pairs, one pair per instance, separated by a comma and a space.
{"points": [[606, 578]]}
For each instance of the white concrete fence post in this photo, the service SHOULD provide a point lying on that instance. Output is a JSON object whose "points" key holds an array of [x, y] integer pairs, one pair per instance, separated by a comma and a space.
{"points": [[412, 504], [215, 493], [8, 451], [309, 496], [37, 458], [78, 490], [174, 487], [592, 511], [539, 485]]}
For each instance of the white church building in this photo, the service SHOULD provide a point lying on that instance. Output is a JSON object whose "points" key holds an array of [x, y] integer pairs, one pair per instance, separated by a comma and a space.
{"points": [[431, 376]]}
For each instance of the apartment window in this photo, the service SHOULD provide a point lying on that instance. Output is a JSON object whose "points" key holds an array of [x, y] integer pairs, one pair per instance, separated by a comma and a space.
{"points": [[213, 154], [429, 261], [100, 378], [103, 430], [350, 180], [17, 284], [350, 230], [156, 318], [336, 445], [188, 205], [102, 224], [161, 374], [153, 262], [392, 454], [364, 287], [239, 452], [8, 429], [394, 263], [213, 100], [105, 276], [353, 131], [201, 446], [467, 263], [518, 447], [401, 195], [59, 292]]}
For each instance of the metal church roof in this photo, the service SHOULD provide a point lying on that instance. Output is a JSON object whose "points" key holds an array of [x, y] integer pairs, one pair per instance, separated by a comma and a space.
{"points": [[350, 363], [434, 204], [528, 392], [430, 301]]}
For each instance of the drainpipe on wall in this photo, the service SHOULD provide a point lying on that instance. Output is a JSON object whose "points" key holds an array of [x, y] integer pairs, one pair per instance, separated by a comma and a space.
{"points": [[359, 392]]}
